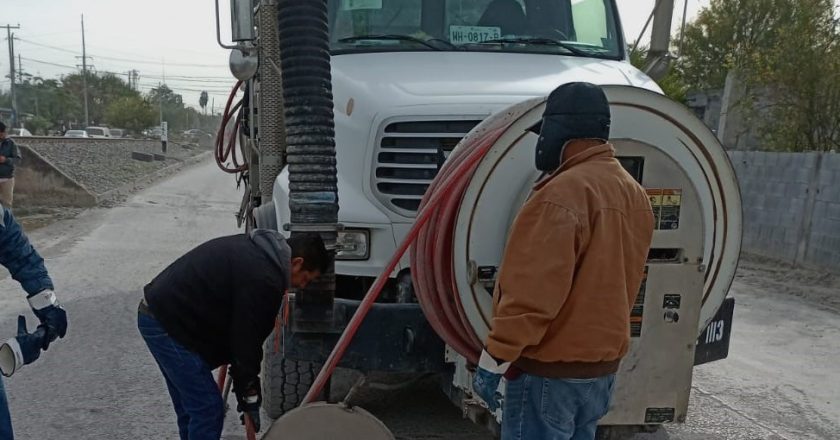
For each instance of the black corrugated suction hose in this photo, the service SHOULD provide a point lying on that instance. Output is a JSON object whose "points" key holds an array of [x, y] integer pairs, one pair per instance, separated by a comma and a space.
{"points": [[310, 126]]}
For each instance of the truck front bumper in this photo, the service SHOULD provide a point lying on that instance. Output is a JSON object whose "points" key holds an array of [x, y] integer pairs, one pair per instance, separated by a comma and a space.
{"points": [[392, 338]]}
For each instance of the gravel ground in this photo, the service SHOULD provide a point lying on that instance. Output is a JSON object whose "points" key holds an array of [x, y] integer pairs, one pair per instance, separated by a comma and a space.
{"points": [[817, 286], [779, 383], [101, 166]]}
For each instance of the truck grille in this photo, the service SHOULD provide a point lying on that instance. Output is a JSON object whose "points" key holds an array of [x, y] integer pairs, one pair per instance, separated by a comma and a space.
{"points": [[409, 156]]}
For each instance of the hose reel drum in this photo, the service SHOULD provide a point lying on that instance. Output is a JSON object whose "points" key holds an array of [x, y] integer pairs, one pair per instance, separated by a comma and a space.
{"points": [[695, 197]]}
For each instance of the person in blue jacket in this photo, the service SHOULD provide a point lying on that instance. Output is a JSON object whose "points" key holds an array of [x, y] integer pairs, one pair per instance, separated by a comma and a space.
{"points": [[26, 267]]}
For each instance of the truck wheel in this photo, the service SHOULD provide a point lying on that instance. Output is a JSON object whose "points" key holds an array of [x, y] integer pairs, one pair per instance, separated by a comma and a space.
{"points": [[285, 381], [265, 217]]}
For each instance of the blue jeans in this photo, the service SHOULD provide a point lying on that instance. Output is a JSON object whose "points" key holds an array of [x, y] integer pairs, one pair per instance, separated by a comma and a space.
{"points": [[555, 409], [5, 419], [195, 395]]}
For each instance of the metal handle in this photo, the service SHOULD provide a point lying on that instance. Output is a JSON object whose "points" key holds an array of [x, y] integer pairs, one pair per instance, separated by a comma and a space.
{"points": [[219, 31], [241, 46]]}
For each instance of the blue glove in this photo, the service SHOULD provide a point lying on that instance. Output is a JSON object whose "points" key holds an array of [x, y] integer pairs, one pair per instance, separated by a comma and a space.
{"points": [[250, 405], [485, 384], [21, 350], [30, 343], [487, 378], [53, 317], [248, 401]]}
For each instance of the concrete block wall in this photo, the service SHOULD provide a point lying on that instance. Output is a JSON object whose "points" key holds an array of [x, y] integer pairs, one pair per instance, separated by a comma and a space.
{"points": [[824, 244], [791, 204]]}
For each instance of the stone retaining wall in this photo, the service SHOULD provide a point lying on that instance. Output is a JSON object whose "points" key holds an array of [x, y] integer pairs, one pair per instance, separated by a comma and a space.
{"points": [[76, 172]]}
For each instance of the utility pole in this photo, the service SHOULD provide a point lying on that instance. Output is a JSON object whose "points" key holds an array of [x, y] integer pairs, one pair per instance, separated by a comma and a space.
{"points": [[133, 75], [84, 72], [11, 38], [20, 70]]}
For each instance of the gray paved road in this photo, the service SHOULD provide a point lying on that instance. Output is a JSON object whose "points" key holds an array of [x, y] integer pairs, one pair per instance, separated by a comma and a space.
{"points": [[781, 381]]}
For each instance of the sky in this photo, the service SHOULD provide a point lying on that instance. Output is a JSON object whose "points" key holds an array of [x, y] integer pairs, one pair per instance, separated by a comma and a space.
{"points": [[173, 40]]}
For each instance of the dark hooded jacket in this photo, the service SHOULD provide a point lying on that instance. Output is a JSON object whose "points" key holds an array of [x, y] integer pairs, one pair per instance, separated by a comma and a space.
{"points": [[221, 299], [10, 150]]}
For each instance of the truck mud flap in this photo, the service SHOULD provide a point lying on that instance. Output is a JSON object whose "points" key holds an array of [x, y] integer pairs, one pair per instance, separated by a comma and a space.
{"points": [[713, 343]]}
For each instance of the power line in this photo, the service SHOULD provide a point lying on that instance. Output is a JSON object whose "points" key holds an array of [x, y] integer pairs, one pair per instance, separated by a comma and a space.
{"points": [[213, 89], [189, 89], [130, 60], [49, 63], [214, 83], [190, 80], [177, 49], [61, 49], [158, 63]]}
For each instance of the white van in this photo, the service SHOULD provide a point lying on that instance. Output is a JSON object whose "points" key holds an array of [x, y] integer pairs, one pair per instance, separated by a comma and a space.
{"points": [[98, 132]]}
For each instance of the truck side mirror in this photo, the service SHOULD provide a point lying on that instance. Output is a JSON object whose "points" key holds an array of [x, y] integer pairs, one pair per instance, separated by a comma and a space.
{"points": [[241, 24]]}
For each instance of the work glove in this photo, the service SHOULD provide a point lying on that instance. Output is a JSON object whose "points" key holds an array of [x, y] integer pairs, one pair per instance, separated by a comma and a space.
{"points": [[23, 349], [249, 404], [486, 379], [53, 317]]}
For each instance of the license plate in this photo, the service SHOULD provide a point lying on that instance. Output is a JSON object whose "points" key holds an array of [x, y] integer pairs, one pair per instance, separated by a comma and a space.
{"points": [[473, 34], [713, 343]]}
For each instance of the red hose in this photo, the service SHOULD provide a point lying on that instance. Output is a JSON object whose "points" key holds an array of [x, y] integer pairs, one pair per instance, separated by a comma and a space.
{"points": [[432, 264], [223, 150], [430, 238], [453, 175], [220, 381], [250, 432]]}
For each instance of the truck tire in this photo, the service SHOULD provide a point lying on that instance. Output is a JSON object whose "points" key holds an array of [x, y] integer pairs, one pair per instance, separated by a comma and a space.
{"points": [[285, 381]]}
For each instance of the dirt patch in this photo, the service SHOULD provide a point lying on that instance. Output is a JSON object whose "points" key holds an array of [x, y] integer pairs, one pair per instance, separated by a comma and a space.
{"points": [[32, 219], [819, 287]]}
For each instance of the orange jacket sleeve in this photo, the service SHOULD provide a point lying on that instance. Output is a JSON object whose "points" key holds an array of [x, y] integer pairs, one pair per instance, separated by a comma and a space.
{"points": [[535, 277]]}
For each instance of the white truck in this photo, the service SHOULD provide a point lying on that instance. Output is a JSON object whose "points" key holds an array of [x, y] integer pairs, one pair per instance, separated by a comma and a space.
{"points": [[410, 79]]}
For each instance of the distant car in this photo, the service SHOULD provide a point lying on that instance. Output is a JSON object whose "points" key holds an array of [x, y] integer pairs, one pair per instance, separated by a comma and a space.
{"points": [[195, 132], [76, 134], [98, 132], [117, 133], [197, 135], [152, 133], [19, 132]]}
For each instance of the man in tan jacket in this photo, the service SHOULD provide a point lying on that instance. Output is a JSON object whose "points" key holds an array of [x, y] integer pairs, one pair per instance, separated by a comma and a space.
{"points": [[571, 271]]}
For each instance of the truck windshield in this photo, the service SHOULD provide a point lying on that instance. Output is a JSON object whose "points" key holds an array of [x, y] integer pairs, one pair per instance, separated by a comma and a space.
{"points": [[567, 27]]}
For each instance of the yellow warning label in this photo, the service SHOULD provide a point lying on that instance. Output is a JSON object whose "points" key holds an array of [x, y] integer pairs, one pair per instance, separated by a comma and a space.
{"points": [[655, 200], [666, 204]]}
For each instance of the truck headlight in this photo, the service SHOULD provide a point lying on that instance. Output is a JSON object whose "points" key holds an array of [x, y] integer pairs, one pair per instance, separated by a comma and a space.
{"points": [[352, 244]]}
